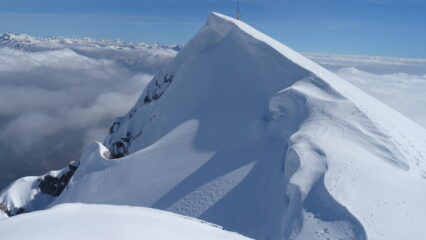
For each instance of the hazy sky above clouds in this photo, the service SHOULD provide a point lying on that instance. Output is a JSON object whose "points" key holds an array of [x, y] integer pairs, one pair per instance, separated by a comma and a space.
{"points": [[361, 27]]}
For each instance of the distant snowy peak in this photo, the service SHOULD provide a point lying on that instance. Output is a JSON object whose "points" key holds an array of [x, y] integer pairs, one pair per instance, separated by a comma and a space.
{"points": [[26, 41], [147, 58]]}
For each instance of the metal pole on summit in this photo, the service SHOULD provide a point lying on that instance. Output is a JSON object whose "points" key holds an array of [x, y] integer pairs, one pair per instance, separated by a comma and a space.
{"points": [[238, 15]]}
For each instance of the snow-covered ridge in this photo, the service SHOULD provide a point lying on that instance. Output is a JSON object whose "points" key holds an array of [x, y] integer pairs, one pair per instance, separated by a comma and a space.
{"points": [[241, 131], [251, 133], [34, 193]]}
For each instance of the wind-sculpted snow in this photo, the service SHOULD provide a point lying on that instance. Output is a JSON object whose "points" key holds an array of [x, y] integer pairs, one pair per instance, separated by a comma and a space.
{"points": [[58, 95], [255, 137]]}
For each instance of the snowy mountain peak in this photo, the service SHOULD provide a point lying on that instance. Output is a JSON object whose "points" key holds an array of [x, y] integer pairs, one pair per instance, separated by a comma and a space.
{"points": [[241, 131], [10, 36], [246, 132]]}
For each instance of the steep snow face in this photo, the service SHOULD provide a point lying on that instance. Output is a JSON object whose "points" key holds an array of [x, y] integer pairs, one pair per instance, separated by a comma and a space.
{"points": [[103, 222], [242, 131]]}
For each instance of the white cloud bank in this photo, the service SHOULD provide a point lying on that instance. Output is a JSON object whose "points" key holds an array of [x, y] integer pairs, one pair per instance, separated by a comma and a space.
{"points": [[398, 82], [45, 93], [55, 101], [403, 92]]}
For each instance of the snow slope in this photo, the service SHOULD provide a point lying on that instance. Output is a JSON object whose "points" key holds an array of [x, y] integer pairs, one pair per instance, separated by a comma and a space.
{"points": [[81, 221], [241, 131]]}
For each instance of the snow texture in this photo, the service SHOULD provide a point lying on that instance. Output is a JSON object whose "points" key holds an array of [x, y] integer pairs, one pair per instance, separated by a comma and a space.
{"points": [[108, 222], [255, 137]]}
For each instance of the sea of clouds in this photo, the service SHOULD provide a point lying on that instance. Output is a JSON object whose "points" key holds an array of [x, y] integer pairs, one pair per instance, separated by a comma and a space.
{"points": [[58, 95], [398, 82]]}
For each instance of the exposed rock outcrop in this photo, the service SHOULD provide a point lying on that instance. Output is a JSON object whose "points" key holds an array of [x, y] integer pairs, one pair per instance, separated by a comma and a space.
{"points": [[34, 193]]}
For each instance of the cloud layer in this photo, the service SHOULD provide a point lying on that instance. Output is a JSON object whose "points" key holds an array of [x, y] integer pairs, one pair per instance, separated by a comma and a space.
{"points": [[54, 102], [398, 82], [402, 91]]}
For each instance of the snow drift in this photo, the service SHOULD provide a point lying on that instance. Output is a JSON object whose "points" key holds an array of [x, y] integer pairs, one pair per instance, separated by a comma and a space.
{"points": [[241, 131]]}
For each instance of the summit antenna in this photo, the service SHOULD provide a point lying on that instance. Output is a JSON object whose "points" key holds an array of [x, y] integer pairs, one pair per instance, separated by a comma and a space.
{"points": [[238, 15]]}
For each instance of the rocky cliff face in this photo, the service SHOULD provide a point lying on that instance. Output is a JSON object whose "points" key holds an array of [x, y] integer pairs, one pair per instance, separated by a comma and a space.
{"points": [[118, 140]]}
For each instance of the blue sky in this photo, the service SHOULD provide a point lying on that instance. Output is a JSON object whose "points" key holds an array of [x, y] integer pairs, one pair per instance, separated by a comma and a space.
{"points": [[360, 27]]}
